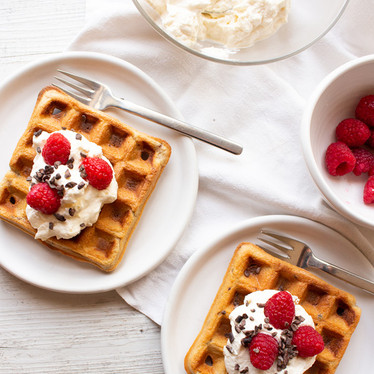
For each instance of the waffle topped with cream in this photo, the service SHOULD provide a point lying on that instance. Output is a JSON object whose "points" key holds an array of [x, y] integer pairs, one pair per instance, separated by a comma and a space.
{"points": [[138, 160]]}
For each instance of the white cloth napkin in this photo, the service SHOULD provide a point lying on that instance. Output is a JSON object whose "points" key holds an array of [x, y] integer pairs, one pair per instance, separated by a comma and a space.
{"points": [[259, 106]]}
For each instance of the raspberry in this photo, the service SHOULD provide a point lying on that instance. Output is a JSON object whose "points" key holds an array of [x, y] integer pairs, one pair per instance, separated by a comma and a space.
{"points": [[56, 148], [364, 160], [263, 351], [43, 198], [369, 190], [370, 141], [280, 309], [99, 173], [339, 159], [365, 110], [352, 132], [308, 341]]}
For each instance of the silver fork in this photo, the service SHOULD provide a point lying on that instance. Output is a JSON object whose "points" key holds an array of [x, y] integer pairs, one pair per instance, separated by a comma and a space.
{"points": [[300, 254], [99, 96]]}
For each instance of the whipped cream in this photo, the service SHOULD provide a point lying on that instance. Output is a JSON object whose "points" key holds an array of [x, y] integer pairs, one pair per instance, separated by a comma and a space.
{"points": [[234, 23], [81, 204], [237, 354]]}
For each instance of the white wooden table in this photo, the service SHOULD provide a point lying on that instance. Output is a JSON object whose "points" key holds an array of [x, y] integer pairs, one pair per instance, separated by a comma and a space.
{"points": [[48, 332]]}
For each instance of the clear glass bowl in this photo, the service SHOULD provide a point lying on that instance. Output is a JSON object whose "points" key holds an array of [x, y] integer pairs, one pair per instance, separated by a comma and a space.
{"points": [[307, 22]]}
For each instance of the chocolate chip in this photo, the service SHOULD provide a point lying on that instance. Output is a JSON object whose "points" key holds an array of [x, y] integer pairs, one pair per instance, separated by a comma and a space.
{"points": [[37, 133], [57, 164], [244, 371], [71, 211], [67, 174], [50, 225], [29, 179], [82, 225], [237, 367], [230, 336], [78, 136], [82, 184], [70, 166], [38, 149], [83, 155], [238, 319], [70, 185], [60, 217], [58, 176]]}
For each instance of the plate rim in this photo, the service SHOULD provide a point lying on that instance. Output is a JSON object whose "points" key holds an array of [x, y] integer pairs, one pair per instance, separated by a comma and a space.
{"points": [[69, 56], [209, 248]]}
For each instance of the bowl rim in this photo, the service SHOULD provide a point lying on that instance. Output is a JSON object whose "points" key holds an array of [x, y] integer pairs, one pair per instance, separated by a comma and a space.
{"points": [[236, 62], [327, 193]]}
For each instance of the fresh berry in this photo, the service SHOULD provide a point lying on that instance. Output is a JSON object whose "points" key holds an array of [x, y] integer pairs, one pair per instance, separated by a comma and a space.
{"points": [[352, 132], [263, 351], [370, 141], [43, 198], [369, 190], [339, 159], [365, 110], [308, 341], [56, 148], [99, 172], [364, 160], [280, 309]]}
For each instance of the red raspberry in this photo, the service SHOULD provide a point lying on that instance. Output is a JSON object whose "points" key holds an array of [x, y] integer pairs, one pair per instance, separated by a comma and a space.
{"points": [[364, 160], [43, 198], [339, 159], [263, 351], [370, 141], [308, 341], [365, 110], [352, 132], [280, 309], [56, 148], [99, 173], [369, 191]]}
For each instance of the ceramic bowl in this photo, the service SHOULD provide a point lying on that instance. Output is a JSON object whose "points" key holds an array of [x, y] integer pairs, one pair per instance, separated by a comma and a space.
{"points": [[335, 99]]}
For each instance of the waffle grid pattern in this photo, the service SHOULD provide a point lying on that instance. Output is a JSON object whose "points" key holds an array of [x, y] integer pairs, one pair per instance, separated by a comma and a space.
{"points": [[138, 161], [334, 311]]}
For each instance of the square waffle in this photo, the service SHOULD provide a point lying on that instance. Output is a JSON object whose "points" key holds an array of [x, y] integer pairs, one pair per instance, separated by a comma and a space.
{"points": [[334, 311], [138, 161]]}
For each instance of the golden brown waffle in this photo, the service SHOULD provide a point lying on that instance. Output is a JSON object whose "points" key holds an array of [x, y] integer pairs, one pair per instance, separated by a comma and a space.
{"points": [[138, 161], [334, 311]]}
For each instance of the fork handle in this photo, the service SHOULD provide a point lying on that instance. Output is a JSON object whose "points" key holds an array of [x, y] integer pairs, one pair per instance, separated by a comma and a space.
{"points": [[179, 126], [338, 272]]}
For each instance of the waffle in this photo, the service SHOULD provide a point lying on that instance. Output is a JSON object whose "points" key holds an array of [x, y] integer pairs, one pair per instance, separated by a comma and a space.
{"points": [[334, 311], [138, 161]]}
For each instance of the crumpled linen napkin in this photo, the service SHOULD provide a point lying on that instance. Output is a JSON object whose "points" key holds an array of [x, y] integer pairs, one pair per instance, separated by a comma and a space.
{"points": [[259, 106]]}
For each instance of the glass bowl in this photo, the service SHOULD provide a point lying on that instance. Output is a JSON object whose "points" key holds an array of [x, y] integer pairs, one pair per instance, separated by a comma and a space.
{"points": [[308, 21]]}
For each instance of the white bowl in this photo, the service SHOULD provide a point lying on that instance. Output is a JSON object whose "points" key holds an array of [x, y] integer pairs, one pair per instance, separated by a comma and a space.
{"points": [[333, 100], [307, 22]]}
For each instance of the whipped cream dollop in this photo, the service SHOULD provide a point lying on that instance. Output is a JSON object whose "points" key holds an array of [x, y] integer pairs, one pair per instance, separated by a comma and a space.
{"points": [[232, 23], [237, 355], [81, 203]]}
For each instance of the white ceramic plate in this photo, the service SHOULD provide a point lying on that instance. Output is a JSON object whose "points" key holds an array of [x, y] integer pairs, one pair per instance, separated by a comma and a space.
{"points": [[165, 215], [198, 282]]}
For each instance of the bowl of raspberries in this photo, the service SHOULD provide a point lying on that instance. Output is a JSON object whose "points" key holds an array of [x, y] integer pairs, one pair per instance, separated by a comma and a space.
{"points": [[338, 139]]}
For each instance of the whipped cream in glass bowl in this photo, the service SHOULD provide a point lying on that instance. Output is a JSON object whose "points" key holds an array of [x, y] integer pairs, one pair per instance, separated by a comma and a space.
{"points": [[81, 203], [237, 354], [242, 32]]}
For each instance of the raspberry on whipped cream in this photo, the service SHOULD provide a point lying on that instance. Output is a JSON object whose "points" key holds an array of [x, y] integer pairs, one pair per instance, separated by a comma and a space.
{"points": [[249, 319], [81, 203]]}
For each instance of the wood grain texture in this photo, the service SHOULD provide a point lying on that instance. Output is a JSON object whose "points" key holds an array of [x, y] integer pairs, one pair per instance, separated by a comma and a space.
{"points": [[42, 331]]}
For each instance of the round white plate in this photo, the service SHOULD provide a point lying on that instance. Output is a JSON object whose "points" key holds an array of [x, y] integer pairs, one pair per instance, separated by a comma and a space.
{"points": [[198, 281], [165, 215]]}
